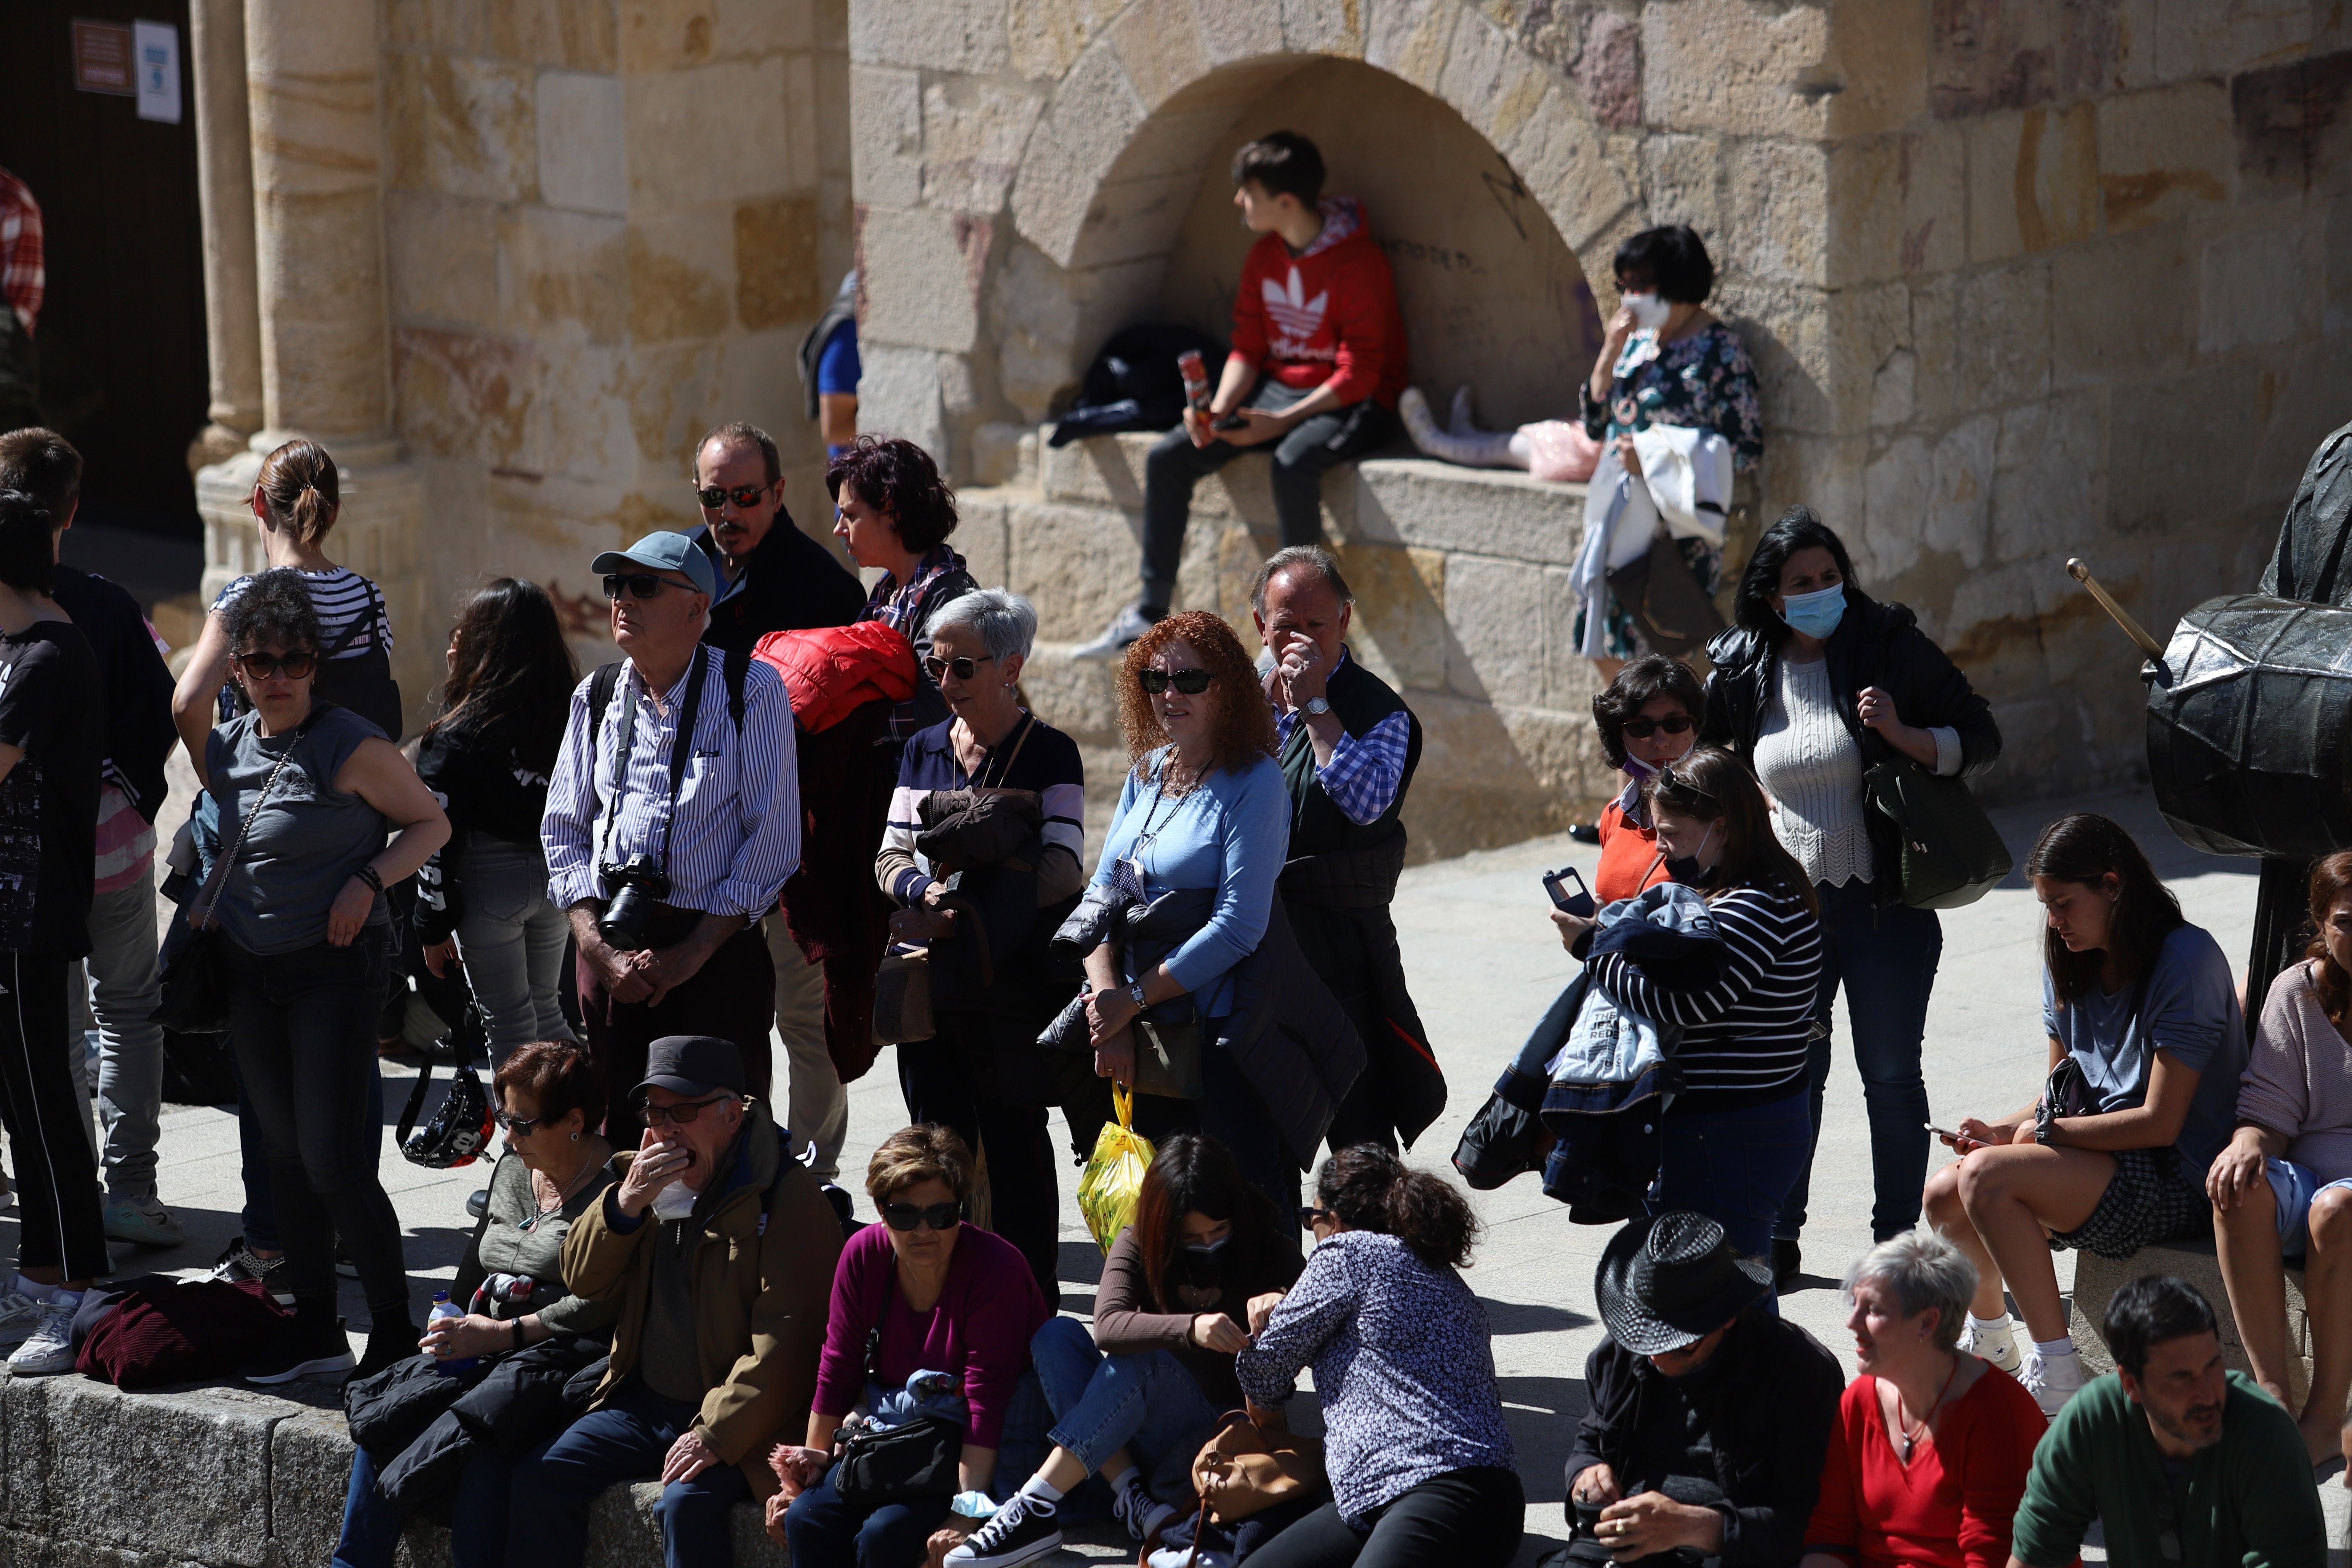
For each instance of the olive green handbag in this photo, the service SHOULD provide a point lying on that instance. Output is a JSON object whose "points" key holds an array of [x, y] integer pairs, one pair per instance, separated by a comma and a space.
{"points": [[1951, 854]]}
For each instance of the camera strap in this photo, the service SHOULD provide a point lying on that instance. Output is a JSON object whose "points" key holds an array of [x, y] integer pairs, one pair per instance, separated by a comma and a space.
{"points": [[680, 749]]}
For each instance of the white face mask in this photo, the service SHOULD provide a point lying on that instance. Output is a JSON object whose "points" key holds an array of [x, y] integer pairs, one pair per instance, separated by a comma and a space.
{"points": [[675, 1201], [1649, 310]]}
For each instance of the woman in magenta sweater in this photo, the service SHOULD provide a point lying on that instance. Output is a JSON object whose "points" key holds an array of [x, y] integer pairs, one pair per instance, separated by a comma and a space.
{"points": [[947, 1298], [1931, 1445]]}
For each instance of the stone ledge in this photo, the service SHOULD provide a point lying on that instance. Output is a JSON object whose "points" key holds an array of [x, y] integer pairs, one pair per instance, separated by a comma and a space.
{"points": [[2096, 1280]]}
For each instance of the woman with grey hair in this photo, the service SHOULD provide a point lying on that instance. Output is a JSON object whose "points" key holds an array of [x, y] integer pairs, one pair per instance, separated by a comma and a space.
{"points": [[986, 917], [1930, 1449]]}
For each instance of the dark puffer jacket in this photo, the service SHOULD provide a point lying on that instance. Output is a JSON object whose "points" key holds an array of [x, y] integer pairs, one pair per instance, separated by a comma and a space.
{"points": [[1875, 644]]}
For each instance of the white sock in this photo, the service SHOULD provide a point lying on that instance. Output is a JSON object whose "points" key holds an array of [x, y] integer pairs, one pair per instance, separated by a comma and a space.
{"points": [[2050, 1350], [1132, 1474], [1994, 1326], [37, 1291], [61, 1297], [1039, 1487]]}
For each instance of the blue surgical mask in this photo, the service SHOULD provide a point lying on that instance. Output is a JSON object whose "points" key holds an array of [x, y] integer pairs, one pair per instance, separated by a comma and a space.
{"points": [[1817, 614]]}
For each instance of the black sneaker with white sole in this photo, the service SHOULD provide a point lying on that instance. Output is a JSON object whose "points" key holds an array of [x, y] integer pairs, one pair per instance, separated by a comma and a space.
{"points": [[1024, 1530], [306, 1346]]}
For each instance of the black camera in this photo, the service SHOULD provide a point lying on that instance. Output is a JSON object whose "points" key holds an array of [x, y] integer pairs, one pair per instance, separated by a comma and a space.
{"points": [[637, 885]]}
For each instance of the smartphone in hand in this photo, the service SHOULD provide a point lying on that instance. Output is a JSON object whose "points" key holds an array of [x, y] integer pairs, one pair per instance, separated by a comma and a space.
{"points": [[1579, 903]]}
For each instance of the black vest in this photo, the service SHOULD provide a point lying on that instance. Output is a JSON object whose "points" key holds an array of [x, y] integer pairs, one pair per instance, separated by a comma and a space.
{"points": [[1318, 827]]}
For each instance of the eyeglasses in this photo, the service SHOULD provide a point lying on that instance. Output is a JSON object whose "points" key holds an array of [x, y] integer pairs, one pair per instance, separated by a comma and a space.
{"points": [[906, 1216], [518, 1126], [681, 1114], [716, 495], [1642, 729], [639, 585], [1191, 682], [962, 669], [295, 666], [1309, 1214]]}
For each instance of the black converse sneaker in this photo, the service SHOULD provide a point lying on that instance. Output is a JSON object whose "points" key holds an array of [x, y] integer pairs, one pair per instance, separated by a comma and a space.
{"points": [[1023, 1530]]}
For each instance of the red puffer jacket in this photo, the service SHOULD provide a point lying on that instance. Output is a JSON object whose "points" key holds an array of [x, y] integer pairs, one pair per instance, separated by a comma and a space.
{"points": [[832, 671]]}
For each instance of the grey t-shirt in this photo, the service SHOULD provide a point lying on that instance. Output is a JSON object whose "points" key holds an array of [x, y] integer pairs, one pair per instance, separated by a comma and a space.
{"points": [[308, 837], [2190, 1010]]}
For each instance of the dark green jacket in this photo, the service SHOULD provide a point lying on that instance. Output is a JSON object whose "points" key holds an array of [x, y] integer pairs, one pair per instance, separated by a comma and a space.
{"points": [[2246, 1502]]}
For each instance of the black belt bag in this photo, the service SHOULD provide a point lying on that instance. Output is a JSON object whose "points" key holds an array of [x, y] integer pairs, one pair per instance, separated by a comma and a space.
{"points": [[917, 1458]]}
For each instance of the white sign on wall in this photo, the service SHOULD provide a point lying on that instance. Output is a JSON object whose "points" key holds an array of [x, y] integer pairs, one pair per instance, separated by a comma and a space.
{"points": [[155, 52]]}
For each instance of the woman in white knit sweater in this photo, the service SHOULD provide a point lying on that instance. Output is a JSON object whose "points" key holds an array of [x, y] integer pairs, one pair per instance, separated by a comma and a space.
{"points": [[1815, 685]]}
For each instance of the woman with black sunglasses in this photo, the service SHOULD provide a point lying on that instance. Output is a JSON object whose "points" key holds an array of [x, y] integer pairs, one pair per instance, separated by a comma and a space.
{"points": [[307, 792], [1647, 717], [994, 985], [921, 1292]]}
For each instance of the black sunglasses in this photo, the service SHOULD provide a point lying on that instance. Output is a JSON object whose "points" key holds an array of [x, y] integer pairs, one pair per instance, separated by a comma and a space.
{"points": [[1642, 729], [716, 495], [518, 1126], [1309, 1213], [681, 1114], [638, 585], [1191, 682], [295, 666], [961, 668], [906, 1216]]}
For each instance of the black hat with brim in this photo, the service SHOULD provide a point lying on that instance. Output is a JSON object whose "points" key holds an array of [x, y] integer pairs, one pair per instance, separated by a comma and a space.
{"points": [[1668, 1282], [691, 1065]]}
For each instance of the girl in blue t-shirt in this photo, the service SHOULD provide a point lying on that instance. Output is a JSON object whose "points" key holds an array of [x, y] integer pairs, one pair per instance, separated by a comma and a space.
{"points": [[2147, 1043]]}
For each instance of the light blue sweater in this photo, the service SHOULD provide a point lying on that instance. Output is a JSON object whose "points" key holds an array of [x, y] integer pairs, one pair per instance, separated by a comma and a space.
{"points": [[1231, 834]]}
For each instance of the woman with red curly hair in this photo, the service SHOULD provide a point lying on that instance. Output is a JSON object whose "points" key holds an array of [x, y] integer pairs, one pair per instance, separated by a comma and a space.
{"points": [[1205, 808]]}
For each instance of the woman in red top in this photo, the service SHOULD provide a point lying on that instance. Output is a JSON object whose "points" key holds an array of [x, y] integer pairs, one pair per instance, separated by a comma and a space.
{"points": [[1647, 717], [1929, 1452]]}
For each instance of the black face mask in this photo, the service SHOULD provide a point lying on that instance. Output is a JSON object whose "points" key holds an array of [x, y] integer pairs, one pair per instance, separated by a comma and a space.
{"points": [[1685, 868], [1202, 1265]]}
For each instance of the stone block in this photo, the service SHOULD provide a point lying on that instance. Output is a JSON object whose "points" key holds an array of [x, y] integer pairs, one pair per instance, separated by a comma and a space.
{"points": [[2046, 492], [1408, 39], [2128, 308], [1046, 36], [1159, 46], [441, 259], [1496, 612], [82, 1456], [1583, 190], [715, 133], [1400, 617], [898, 394], [583, 142], [763, 26], [1895, 208], [449, 25], [1608, 68], [980, 534], [1110, 469], [309, 1474], [681, 274], [1682, 180], [1824, 472], [886, 135], [2249, 287], [1135, 220], [1081, 699], [1735, 65], [2294, 125], [2004, 332], [920, 280], [462, 127], [2097, 1281], [2165, 154], [1478, 511], [1959, 500], [1987, 56], [574, 35], [2033, 181], [1880, 47], [1801, 341], [1779, 201], [996, 452], [2160, 480], [2216, 41], [1897, 488], [972, 137], [1077, 563], [1051, 193], [1937, 392], [1238, 29], [776, 279], [941, 35], [1323, 27], [464, 395], [562, 274]]}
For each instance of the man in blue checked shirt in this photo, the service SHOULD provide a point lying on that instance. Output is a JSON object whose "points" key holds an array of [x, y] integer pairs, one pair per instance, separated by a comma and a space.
{"points": [[702, 839], [1348, 748]]}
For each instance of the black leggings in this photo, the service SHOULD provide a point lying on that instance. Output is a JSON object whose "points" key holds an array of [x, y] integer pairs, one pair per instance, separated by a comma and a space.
{"points": [[304, 1024], [49, 1131], [1462, 1519]]}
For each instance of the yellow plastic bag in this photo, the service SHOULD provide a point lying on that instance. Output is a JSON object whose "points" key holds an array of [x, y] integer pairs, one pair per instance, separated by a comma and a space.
{"points": [[1113, 1181]]}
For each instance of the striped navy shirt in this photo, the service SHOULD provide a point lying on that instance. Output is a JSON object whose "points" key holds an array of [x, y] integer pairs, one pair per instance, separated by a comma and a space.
{"points": [[737, 836], [1037, 757], [1744, 1039]]}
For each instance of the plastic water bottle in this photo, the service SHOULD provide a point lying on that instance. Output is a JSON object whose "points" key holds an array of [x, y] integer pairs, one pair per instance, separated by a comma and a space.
{"points": [[444, 1308]]}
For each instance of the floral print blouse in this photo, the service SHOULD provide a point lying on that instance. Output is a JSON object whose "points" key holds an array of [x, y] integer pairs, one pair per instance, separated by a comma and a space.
{"points": [[1702, 381]]}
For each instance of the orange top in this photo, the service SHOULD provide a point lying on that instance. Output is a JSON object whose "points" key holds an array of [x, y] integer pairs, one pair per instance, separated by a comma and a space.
{"points": [[1627, 854]]}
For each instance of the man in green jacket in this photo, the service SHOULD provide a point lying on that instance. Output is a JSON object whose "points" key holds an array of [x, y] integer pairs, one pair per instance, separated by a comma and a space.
{"points": [[2179, 1461]]}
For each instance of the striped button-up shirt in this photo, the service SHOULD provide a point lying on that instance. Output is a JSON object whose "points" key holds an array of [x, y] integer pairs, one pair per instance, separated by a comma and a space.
{"points": [[736, 834]]}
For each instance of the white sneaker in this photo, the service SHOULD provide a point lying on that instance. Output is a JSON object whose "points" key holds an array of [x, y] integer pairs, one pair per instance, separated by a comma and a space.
{"points": [[1125, 627], [1991, 1345], [2053, 1382], [50, 1347], [19, 1315]]}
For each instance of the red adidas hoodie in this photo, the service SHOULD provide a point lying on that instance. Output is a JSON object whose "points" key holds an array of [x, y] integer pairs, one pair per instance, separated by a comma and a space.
{"points": [[1327, 314]]}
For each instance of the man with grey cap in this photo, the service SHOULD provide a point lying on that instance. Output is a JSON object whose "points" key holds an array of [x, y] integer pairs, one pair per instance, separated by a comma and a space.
{"points": [[672, 821], [1707, 1415], [720, 1248]]}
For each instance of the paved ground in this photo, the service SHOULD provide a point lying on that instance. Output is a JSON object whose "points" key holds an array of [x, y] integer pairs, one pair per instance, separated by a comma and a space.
{"points": [[1484, 963]]}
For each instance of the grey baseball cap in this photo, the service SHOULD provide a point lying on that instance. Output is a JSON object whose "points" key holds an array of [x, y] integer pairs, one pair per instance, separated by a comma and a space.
{"points": [[663, 552]]}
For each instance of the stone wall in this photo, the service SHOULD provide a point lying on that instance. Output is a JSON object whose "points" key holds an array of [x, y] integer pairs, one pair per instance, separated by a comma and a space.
{"points": [[2020, 282]]}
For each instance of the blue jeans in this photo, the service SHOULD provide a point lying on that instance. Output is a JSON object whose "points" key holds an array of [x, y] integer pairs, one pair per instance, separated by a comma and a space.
{"points": [[1733, 1166], [478, 1523], [824, 1532], [1145, 1402], [1886, 960], [625, 1441]]}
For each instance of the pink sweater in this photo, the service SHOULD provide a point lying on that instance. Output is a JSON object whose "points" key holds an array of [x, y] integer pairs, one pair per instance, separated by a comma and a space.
{"points": [[987, 1312], [2298, 1078]]}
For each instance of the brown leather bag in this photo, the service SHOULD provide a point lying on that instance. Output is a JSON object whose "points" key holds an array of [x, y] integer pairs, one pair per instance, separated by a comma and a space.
{"points": [[1246, 1468]]}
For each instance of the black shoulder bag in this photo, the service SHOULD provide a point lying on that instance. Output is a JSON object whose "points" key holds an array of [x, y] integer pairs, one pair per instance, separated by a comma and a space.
{"points": [[916, 1460]]}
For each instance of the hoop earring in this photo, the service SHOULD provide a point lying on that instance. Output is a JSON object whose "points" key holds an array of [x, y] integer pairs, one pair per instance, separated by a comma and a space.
{"points": [[575, 1138]]}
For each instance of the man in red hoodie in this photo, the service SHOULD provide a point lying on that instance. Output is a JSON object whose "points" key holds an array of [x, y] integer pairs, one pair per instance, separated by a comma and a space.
{"points": [[1317, 360]]}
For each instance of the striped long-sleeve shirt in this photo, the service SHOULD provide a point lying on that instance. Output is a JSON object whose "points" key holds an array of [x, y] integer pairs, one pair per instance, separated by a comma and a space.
{"points": [[737, 836], [1743, 1039]]}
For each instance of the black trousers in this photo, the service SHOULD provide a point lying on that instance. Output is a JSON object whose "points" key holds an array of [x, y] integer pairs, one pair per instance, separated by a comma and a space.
{"points": [[1462, 1519], [304, 1026], [943, 1081], [57, 1180]]}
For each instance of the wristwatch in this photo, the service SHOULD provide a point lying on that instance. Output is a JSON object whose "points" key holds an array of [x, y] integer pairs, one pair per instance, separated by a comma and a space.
{"points": [[1315, 707], [1135, 994]]}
